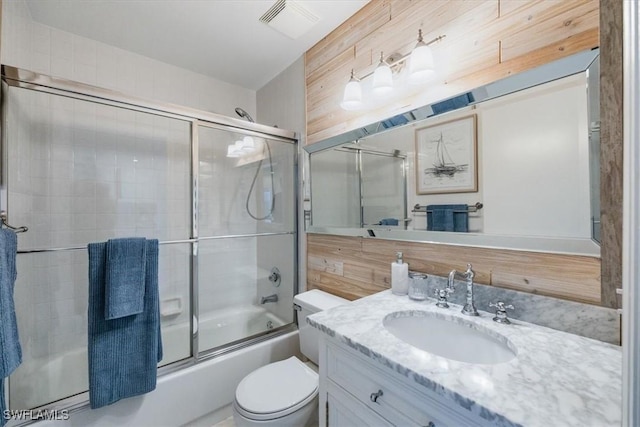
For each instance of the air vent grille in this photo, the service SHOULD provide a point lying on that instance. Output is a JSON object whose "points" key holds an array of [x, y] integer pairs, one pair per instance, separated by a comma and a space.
{"points": [[273, 11], [290, 18]]}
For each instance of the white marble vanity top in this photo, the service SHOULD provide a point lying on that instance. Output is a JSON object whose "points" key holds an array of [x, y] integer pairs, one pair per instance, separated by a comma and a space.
{"points": [[556, 379]]}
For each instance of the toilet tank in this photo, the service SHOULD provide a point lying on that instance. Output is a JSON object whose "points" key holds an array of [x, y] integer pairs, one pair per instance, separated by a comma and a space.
{"points": [[310, 302]]}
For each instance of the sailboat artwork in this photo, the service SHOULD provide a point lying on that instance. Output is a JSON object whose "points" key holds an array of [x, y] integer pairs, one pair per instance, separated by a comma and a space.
{"points": [[446, 157], [443, 164]]}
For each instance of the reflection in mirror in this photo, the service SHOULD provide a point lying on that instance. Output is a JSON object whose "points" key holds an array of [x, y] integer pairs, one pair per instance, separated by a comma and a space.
{"points": [[528, 156], [353, 186]]}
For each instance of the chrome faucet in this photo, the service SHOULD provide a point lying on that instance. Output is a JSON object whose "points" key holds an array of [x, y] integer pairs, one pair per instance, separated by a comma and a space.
{"points": [[469, 308], [270, 298]]}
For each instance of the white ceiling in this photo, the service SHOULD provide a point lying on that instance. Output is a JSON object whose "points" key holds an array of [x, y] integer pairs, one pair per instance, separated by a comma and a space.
{"points": [[219, 38]]}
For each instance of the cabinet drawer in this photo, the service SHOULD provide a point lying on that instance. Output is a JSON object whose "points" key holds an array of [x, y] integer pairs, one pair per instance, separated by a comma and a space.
{"points": [[345, 411], [399, 403]]}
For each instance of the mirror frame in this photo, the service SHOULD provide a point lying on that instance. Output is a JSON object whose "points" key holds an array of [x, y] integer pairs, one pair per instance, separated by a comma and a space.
{"points": [[564, 67]]}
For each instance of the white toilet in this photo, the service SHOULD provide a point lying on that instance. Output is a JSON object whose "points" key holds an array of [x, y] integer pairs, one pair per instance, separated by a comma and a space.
{"points": [[285, 393]]}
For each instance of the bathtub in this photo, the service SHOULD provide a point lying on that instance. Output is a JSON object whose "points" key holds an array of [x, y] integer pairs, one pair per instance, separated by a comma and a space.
{"points": [[233, 324], [203, 391]]}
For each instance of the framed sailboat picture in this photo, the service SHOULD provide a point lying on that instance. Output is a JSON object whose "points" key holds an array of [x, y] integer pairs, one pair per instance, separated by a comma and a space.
{"points": [[447, 157]]}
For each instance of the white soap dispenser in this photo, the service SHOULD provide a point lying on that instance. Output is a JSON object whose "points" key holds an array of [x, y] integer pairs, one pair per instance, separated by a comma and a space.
{"points": [[399, 276]]}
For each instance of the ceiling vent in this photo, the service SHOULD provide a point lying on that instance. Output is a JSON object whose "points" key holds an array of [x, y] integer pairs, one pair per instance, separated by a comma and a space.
{"points": [[290, 18]]}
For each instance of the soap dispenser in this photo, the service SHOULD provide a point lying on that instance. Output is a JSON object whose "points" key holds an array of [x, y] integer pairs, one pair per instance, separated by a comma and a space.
{"points": [[399, 276]]}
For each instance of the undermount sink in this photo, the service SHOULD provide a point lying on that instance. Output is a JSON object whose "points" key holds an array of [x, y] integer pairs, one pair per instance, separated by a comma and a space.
{"points": [[452, 338]]}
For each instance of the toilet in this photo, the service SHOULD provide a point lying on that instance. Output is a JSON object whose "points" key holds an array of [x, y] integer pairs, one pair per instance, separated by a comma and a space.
{"points": [[285, 393]]}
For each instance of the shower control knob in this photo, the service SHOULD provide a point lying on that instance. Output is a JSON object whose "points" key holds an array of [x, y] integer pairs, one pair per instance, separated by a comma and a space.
{"points": [[275, 276]]}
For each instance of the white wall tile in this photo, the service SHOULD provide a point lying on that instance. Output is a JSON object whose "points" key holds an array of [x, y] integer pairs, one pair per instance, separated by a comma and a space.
{"points": [[84, 51], [106, 66]]}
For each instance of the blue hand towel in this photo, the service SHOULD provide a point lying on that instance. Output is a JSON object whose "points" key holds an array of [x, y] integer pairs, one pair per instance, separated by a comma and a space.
{"points": [[125, 277], [10, 351], [447, 218], [123, 353], [388, 221]]}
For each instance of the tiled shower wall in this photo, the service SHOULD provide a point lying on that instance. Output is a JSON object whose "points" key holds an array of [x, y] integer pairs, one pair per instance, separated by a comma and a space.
{"points": [[40, 48]]}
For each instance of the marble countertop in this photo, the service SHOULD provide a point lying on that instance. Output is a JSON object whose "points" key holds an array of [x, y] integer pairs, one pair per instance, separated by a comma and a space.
{"points": [[556, 379]]}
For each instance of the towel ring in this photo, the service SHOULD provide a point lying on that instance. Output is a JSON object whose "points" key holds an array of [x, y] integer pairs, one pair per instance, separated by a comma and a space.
{"points": [[3, 221]]}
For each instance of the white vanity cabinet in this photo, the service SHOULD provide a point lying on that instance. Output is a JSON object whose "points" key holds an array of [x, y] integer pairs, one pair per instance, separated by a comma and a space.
{"points": [[356, 392]]}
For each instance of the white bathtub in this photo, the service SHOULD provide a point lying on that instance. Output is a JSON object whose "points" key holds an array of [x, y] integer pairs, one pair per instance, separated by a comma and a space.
{"points": [[233, 324], [180, 397]]}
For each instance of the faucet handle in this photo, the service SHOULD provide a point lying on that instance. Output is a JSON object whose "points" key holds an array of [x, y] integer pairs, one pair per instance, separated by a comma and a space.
{"points": [[442, 295], [501, 312], [470, 273]]}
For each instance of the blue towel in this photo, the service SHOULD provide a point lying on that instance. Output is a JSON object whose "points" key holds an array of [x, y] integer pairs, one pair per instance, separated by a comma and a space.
{"points": [[123, 353], [125, 277], [388, 221], [10, 351], [447, 218]]}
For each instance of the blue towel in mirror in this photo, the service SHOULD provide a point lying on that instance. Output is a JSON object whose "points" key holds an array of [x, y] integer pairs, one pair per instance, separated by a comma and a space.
{"points": [[448, 218], [388, 221], [10, 350], [124, 352], [124, 277]]}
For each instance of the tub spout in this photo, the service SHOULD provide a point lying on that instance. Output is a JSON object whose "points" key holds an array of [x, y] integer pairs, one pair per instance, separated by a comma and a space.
{"points": [[270, 298]]}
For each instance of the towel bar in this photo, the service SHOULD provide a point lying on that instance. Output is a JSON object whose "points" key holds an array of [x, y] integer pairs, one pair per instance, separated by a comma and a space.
{"points": [[3, 221], [470, 208]]}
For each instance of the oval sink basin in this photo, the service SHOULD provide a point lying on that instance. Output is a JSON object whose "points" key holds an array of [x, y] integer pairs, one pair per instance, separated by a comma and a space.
{"points": [[454, 339]]}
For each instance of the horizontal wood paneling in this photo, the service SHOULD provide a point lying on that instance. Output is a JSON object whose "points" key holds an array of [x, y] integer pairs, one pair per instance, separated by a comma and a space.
{"points": [[365, 21], [366, 267], [486, 40]]}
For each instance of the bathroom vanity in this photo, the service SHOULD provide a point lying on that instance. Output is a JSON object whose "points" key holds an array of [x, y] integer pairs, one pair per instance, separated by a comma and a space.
{"points": [[388, 360]]}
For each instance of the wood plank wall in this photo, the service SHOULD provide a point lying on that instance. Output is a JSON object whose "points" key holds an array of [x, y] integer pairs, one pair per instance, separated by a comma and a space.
{"points": [[485, 41], [353, 267], [611, 158]]}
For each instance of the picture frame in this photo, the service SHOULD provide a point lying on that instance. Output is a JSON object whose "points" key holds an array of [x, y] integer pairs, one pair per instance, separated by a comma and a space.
{"points": [[447, 157]]}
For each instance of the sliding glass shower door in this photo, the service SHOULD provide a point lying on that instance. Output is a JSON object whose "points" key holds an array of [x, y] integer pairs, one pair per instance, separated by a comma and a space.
{"points": [[80, 168], [79, 172], [246, 235]]}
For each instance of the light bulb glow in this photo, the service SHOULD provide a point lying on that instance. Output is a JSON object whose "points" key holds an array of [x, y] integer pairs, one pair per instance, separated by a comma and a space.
{"points": [[421, 64], [247, 144], [382, 80], [232, 151], [352, 99]]}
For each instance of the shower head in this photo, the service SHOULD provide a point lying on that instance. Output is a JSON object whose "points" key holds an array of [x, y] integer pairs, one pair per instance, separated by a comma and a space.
{"points": [[244, 114]]}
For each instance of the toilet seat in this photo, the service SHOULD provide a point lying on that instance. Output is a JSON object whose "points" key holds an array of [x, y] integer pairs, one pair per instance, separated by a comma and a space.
{"points": [[276, 390]]}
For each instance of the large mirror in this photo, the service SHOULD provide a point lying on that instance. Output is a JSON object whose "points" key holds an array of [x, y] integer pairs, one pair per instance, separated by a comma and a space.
{"points": [[513, 164]]}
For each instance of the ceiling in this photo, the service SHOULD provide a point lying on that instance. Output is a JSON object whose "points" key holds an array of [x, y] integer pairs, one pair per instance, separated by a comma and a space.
{"points": [[219, 38]]}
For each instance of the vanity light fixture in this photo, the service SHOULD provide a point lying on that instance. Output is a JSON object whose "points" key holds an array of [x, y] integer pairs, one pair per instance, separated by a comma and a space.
{"points": [[382, 79], [421, 68], [233, 151], [352, 99], [421, 62], [247, 144], [241, 147]]}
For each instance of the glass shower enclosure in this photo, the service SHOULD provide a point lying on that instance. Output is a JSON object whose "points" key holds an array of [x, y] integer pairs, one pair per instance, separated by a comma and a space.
{"points": [[82, 165], [358, 187]]}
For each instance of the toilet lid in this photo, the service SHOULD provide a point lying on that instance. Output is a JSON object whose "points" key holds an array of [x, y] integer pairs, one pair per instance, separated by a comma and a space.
{"points": [[276, 387]]}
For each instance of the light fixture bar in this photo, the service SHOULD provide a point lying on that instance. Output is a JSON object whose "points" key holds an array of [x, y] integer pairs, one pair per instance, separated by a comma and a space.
{"points": [[404, 57]]}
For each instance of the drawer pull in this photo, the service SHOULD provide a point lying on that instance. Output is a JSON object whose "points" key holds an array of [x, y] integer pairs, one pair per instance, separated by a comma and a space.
{"points": [[431, 424], [374, 396]]}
